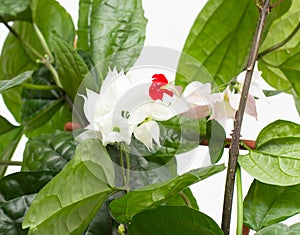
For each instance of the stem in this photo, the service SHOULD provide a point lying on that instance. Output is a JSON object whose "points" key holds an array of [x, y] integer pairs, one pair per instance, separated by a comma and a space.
{"points": [[276, 3], [123, 168], [40, 87], [10, 163], [280, 44], [234, 146], [240, 218], [185, 198], [43, 42]]}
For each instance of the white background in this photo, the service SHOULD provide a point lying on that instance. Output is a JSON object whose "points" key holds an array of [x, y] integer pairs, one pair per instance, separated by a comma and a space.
{"points": [[169, 22]]}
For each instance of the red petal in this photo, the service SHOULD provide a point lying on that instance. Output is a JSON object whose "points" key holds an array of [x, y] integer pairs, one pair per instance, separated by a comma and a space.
{"points": [[160, 78]]}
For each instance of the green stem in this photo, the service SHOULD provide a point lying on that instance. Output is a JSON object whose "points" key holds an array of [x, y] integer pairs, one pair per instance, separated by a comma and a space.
{"points": [[240, 220], [185, 198], [123, 168], [40, 87], [280, 44], [10, 163], [53, 72], [43, 42]]}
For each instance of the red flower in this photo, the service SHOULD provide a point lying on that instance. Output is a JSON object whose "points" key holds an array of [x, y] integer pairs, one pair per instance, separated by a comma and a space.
{"points": [[156, 90]]}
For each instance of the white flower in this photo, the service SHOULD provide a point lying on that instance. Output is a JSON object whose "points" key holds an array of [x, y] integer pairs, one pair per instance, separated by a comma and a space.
{"points": [[125, 106]]}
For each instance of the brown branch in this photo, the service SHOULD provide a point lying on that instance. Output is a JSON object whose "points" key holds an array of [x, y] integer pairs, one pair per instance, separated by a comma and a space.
{"points": [[234, 146], [249, 143]]}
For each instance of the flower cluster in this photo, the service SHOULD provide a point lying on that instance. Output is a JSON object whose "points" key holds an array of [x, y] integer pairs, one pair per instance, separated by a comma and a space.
{"points": [[125, 106]]}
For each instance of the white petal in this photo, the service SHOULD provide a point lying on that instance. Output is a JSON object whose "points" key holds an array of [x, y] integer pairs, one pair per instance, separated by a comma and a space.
{"points": [[197, 112], [146, 132], [89, 106], [197, 93], [251, 107]]}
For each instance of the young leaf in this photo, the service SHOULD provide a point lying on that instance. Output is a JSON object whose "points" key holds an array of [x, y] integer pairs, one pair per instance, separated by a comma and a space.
{"points": [[275, 159], [114, 29], [70, 67], [48, 152], [280, 229], [154, 195], [7, 84], [222, 52], [14, 10], [76, 193], [173, 220], [266, 204], [16, 194]]}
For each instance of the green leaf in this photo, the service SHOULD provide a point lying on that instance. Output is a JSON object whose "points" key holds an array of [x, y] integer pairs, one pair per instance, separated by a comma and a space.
{"points": [[222, 52], [266, 204], [39, 106], [70, 67], [48, 152], [7, 84], [274, 14], [275, 64], [216, 138], [5, 126], [115, 29], [173, 220], [14, 10], [16, 194], [101, 222], [280, 229], [9, 141], [51, 17], [183, 198], [76, 193], [15, 60], [154, 195], [275, 159]]}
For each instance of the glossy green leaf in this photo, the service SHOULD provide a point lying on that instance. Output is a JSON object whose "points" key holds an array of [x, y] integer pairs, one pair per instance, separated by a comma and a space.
{"points": [[276, 159], [39, 106], [173, 220], [266, 204], [222, 52], [14, 10], [7, 84], [114, 29], [9, 141], [70, 67], [53, 19], [76, 193], [280, 229], [16, 194], [216, 138], [271, 63], [48, 152], [154, 195]]}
